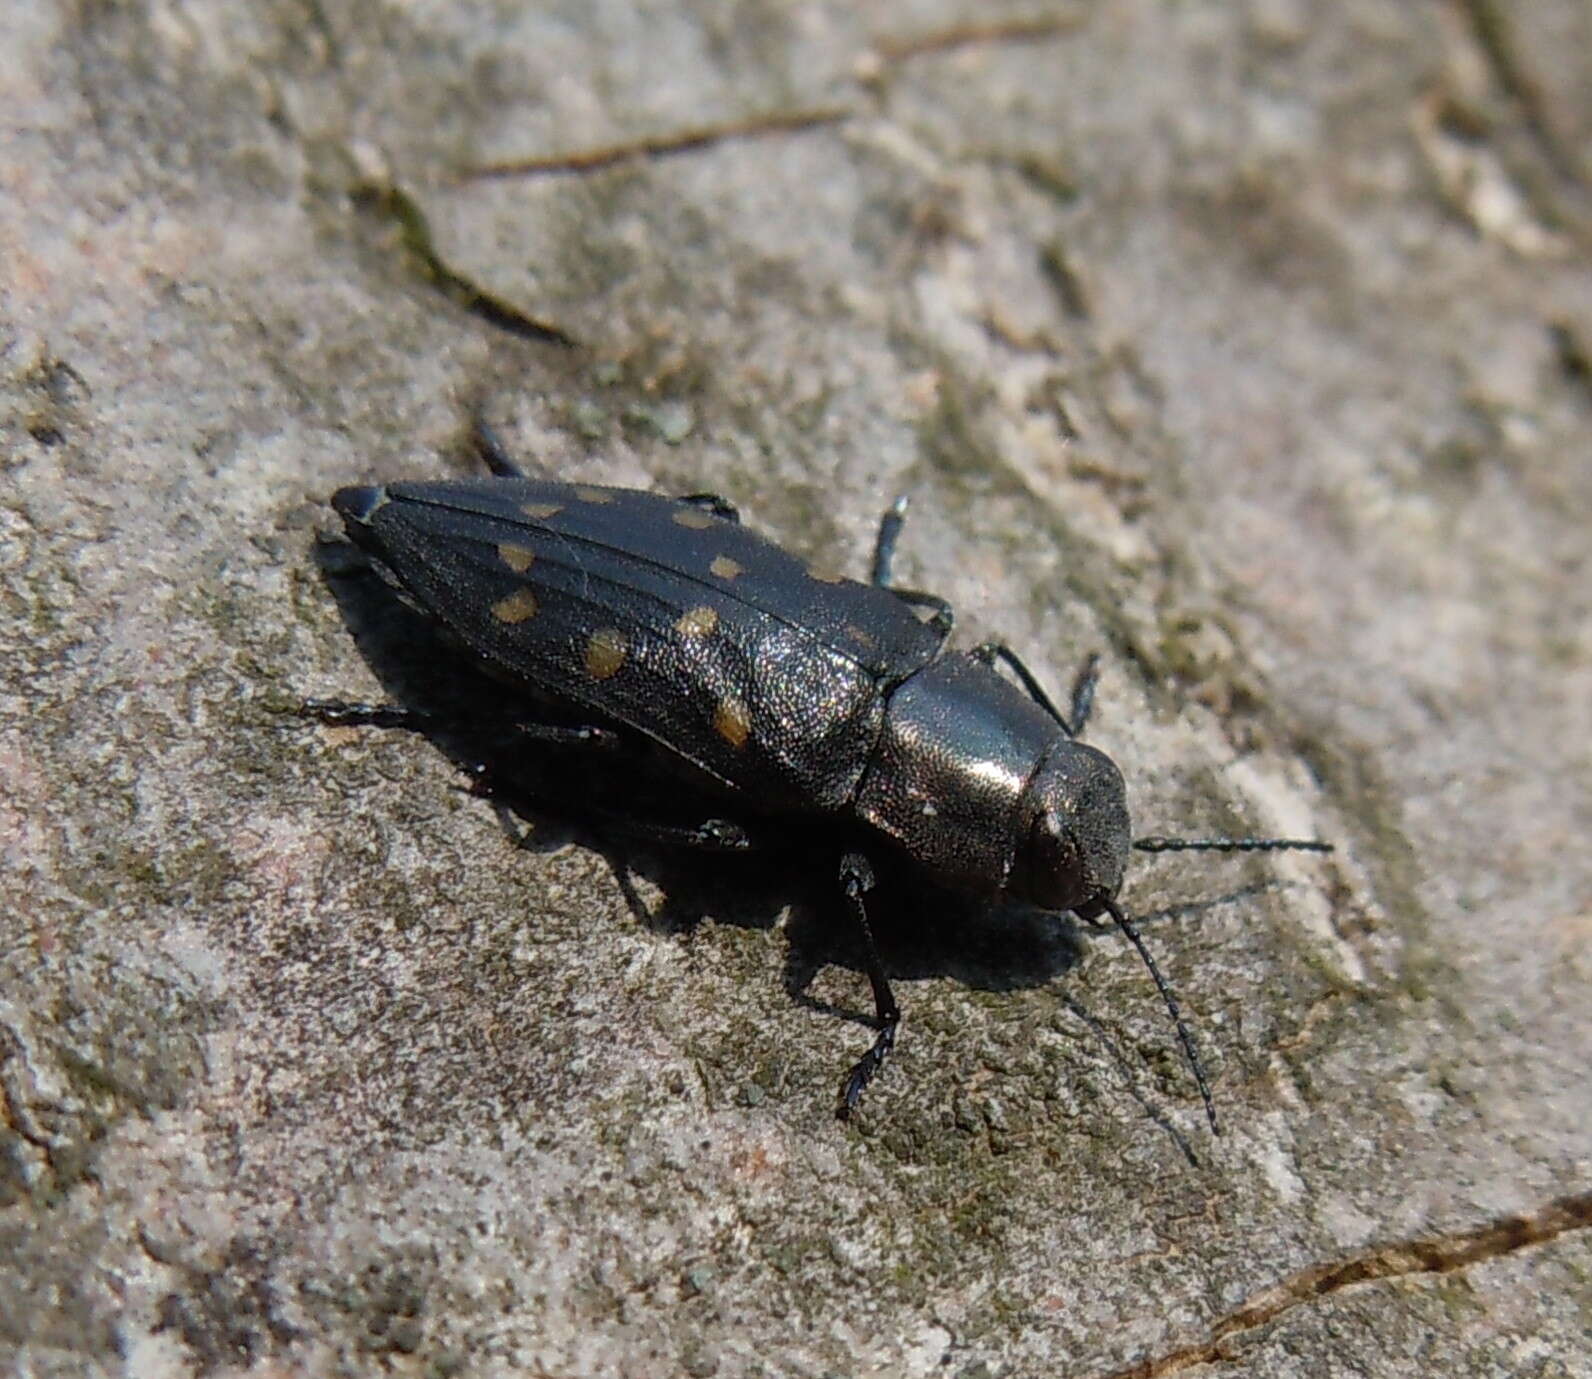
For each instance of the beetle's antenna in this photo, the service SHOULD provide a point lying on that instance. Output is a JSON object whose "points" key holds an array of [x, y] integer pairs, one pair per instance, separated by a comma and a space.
{"points": [[1127, 928], [1155, 844]]}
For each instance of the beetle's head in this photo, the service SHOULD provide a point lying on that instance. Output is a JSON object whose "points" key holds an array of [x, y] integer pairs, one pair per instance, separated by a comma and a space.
{"points": [[1076, 837]]}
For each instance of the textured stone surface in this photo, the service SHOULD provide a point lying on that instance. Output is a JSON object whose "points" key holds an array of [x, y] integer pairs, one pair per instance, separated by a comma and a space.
{"points": [[1248, 343]]}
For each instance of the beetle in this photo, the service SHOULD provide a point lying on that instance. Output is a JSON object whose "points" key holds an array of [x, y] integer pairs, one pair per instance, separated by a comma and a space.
{"points": [[777, 686]]}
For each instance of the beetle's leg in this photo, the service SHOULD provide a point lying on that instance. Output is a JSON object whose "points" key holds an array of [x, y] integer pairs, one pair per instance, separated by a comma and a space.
{"points": [[942, 617], [569, 735], [885, 543], [342, 713], [345, 713], [492, 451], [856, 877], [710, 835], [719, 507], [1083, 690], [1083, 687], [497, 459]]}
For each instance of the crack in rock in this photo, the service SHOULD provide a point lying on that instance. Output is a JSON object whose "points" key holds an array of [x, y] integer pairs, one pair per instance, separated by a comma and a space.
{"points": [[1441, 1254]]}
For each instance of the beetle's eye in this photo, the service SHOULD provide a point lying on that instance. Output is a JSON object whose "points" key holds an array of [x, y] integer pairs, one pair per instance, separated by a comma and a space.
{"points": [[1054, 869], [1060, 845]]}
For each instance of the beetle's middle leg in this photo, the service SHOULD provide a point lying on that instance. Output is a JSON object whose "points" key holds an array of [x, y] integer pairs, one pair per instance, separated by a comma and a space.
{"points": [[856, 877], [942, 617], [1083, 686], [885, 543]]}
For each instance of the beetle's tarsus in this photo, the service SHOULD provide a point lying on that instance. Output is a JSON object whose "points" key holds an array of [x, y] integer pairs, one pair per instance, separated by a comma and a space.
{"points": [[856, 878], [862, 1073]]}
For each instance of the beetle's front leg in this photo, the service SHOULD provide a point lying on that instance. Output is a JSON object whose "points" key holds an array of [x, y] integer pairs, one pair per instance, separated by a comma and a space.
{"points": [[856, 877]]}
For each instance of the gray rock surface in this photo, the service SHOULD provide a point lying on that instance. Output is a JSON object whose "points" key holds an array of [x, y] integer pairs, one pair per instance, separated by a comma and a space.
{"points": [[1250, 343]]}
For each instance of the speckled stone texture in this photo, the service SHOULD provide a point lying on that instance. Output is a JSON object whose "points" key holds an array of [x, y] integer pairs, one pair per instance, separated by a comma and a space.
{"points": [[1249, 344]]}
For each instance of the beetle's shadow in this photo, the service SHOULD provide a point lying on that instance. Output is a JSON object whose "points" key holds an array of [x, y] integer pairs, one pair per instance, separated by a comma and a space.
{"points": [[410, 656], [923, 932], [546, 796], [550, 796], [556, 792]]}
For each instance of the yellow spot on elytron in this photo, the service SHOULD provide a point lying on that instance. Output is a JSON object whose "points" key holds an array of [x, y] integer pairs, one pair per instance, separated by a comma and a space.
{"points": [[605, 653], [732, 721], [725, 568], [694, 518], [594, 495], [862, 635], [541, 511], [517, 558], [517, 607], [698, 622], [824, 576]]}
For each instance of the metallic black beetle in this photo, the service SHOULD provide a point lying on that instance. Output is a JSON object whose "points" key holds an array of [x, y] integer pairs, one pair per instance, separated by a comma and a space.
{"points": [[785, 688]]}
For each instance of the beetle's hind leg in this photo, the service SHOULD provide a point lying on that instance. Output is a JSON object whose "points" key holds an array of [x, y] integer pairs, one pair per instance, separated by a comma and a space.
{"points": [[345, 713], [710, 835], [856, 877], [350, 713]]}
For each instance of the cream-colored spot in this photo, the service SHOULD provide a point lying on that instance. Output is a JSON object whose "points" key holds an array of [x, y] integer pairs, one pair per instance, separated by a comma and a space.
{"points": [[732, 721], [517, 558], [541, 511], [725, 568], [694, 518], [517, 607], [697, 622], [594, 495], [862, 635], [605, 653], [824, 576]]}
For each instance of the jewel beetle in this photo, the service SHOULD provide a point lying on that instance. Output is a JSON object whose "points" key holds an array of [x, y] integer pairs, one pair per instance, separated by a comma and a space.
{"points": [[777, 687]]}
